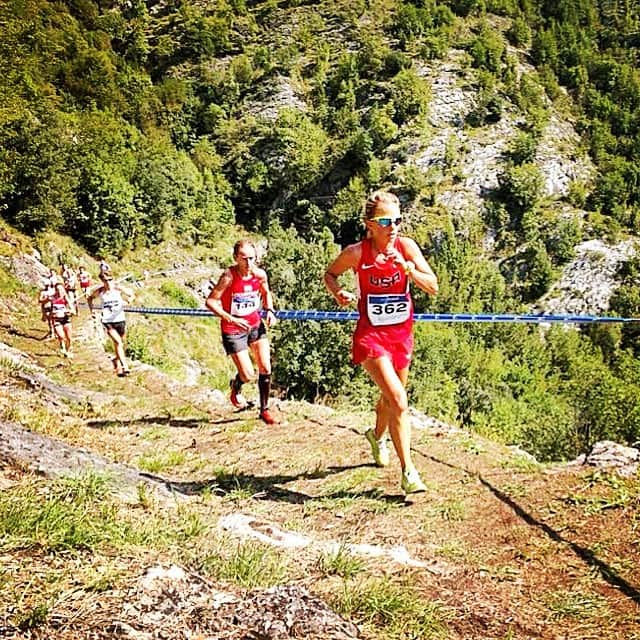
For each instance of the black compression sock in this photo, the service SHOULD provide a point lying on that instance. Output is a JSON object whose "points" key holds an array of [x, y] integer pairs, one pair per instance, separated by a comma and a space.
{"points": [[236, 383], [264, 386]]}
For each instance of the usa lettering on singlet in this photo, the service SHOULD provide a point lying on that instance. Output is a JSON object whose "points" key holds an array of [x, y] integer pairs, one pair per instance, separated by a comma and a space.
{"points": [[382, 289], [112, 306]]}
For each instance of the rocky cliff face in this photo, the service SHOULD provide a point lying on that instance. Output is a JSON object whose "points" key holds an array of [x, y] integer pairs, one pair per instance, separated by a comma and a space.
{"points": [[588, 281]]}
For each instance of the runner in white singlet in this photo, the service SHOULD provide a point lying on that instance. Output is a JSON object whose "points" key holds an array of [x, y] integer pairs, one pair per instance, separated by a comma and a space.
{"points": [[113, 317]]}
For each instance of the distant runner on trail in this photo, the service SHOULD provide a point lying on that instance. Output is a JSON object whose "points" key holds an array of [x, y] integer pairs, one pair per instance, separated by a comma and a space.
{"points": [[84, 279], [70, 284], [113, 317], [62, 308], [47, 291], [237, 298], [385, 263]]}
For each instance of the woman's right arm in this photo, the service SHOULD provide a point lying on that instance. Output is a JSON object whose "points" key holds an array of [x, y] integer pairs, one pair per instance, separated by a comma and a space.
{"points": [[90, 298], [347, 259]]}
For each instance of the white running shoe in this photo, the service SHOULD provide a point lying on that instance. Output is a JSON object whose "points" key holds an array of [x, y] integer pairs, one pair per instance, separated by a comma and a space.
{"points": [[379, 448], [411, 481]]}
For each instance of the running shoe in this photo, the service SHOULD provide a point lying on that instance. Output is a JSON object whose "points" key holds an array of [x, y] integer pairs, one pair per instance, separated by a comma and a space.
{"points": [[267, 417], [411, 481], [237, 399], [379, 448]]}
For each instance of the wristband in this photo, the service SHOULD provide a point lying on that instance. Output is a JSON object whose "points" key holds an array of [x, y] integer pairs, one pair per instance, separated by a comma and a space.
{"points": [[270, 310], [409, 268]]}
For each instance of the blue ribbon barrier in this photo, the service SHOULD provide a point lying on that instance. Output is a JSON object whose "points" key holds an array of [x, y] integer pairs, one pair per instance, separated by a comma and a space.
{"points": [[341, 316]]}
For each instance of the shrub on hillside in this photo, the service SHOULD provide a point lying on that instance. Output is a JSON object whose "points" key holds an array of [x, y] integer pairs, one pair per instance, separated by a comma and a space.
{"points": [[311, 359], [411, 95]]}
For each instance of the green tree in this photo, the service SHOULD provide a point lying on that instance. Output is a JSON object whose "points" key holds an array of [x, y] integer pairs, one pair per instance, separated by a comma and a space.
{"points": [[521, 188], [486, 49], [311, 359], [411, 95]]}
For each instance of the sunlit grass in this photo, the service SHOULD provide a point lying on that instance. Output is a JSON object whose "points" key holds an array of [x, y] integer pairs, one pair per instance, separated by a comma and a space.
{"points": [[80, 513], [240, 492], [515, 489], [340, 561], [242, 426], [451, 509], [351, 480], [470, 444], [155, 463], [522, 463], [393, 610], [248, 565], [574, 604], [154, 434], [452, 549], [12, 365]]}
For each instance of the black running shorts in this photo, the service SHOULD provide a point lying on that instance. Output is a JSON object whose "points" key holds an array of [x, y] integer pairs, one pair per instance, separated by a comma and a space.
{"points": [[236, 342], [118, 326]]}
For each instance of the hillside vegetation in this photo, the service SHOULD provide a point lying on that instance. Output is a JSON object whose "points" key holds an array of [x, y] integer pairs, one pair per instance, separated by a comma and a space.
{"points": [[155, 134]]}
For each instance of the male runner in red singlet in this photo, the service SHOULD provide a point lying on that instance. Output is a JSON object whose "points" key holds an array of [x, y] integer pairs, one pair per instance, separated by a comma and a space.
{"points": [[84, 279], [237, 298], [385, 264]]}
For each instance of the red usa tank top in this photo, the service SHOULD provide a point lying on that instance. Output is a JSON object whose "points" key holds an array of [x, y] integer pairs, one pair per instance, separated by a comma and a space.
{"points": [[384, 301], [242, 298]]}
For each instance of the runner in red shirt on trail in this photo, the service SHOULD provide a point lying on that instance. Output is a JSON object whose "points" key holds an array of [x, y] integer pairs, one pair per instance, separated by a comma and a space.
{"points": [[237, 298], [62, 308], [84, 279], [385, 263]]}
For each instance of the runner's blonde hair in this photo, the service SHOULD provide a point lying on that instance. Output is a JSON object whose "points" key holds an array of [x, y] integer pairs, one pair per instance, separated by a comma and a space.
{"points": [[376, 198]]}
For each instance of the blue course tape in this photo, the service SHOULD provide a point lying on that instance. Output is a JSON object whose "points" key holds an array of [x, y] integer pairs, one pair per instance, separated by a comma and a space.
{"points": [[420, 317]]}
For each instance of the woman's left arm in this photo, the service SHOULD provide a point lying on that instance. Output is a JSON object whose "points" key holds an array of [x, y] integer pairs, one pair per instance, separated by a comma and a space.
{"points": [[417, 268]]}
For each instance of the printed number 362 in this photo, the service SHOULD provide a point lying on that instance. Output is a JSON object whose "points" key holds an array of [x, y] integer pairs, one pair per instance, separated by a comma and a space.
{"points": [[389, 308]]}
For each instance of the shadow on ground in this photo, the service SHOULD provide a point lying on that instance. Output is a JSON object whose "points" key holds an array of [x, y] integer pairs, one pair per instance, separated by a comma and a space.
{"points": [[586, 555], [270, 487]]}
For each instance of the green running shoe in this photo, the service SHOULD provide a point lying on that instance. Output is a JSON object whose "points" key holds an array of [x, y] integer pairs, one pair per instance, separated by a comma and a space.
{"points": [[411, 481], [379, 448]]}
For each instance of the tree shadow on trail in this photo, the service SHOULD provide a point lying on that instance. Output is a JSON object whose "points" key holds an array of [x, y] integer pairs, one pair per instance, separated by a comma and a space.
{"points": [[607, 572], [269, 487]]}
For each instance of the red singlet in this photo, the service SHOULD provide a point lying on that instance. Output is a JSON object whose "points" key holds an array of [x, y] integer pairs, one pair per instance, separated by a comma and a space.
{"points": [[385, 326], [59, 308], [242, 298]]}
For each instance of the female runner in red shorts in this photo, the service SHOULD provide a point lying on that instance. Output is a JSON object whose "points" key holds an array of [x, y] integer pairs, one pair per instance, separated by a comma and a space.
{"points": [[385, 263]]}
